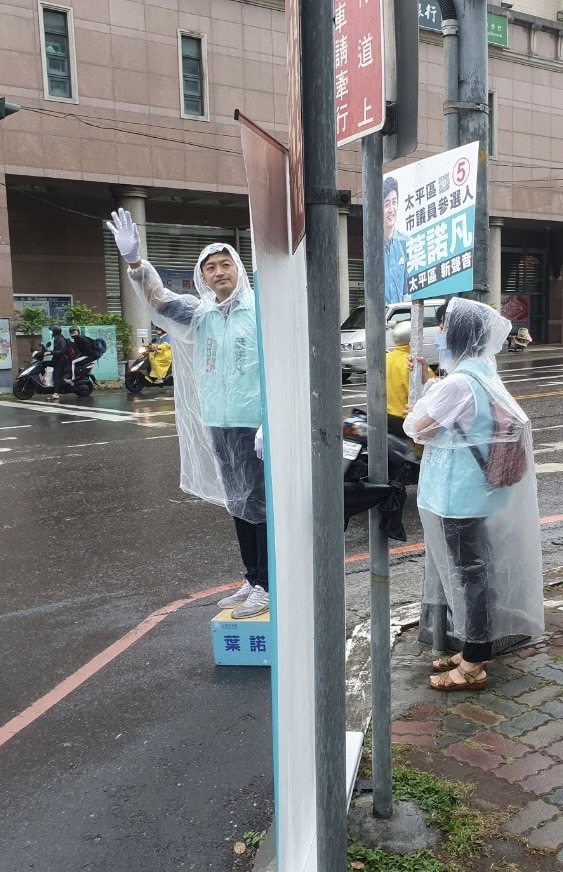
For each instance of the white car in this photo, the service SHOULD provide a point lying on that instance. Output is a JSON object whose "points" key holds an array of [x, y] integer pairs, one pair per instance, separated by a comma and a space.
{"points": [[353, 334]]}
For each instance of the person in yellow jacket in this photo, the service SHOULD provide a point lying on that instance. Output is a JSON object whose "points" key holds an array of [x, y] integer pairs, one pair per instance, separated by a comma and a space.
{"points": [[160, 356], [397, 378]]}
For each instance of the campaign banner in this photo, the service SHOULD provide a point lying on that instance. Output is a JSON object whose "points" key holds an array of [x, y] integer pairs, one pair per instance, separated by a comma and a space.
{"points": [[429, 226]]}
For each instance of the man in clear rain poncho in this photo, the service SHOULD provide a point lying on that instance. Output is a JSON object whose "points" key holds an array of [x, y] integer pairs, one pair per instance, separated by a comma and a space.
{"points": [[477, 498], [217, 394]]}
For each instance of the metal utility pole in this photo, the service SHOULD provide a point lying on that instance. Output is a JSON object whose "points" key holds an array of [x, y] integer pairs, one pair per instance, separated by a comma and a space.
{"points": [[321, 198], [450, 32], [7, 108], [474, 121], [374, 283]]}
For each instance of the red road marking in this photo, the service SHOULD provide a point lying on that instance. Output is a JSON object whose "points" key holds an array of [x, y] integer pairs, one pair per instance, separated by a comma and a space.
{"points": [[58, 693], [419, 546], [66, 687]]}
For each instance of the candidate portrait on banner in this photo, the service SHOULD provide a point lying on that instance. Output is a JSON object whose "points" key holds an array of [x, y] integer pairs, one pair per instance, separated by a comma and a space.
{"points": [[395, 246]]}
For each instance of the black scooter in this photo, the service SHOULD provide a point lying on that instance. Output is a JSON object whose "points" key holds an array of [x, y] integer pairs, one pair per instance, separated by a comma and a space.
{"points": [[138, 377], [30, 380], [403, 459]]}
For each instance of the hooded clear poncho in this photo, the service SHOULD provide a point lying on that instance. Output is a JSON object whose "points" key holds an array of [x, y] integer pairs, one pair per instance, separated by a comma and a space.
{"points": [[477, 491], [216, 385]]}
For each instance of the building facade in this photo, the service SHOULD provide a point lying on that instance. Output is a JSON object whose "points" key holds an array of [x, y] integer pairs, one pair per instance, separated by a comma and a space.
{"points": [[131, 102]]}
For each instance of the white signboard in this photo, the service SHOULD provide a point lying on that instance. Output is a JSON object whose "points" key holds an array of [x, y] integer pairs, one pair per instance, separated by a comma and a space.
{"points": [[283, 332]]}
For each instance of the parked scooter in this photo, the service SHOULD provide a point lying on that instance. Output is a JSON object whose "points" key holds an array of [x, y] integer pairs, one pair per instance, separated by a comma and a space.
{"points": [[138, 376], [403, 458], [32, 380]]}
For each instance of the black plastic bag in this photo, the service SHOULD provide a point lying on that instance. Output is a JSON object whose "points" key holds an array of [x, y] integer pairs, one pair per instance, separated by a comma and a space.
{"points": [[359, 496]]}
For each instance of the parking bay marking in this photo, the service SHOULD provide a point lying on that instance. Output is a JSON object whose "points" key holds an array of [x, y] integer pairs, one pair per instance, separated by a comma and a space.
{"points": [[100, 414]]}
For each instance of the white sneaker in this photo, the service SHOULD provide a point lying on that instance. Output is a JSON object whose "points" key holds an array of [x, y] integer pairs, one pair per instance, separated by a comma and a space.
{"points": [[239, 596], [257, 603]]}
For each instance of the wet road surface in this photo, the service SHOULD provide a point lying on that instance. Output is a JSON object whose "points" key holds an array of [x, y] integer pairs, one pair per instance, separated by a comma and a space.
{"points": [[154, 759]]}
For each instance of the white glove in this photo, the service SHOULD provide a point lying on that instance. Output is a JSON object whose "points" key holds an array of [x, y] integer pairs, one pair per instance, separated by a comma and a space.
{"points": [[259, 443], [126, 235]]}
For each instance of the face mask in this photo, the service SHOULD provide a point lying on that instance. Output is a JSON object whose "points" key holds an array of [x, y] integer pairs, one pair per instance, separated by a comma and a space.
{"points": [[440, 341]]}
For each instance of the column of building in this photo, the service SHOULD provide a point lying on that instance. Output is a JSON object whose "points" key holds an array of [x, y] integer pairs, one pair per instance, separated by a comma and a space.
{"points": [[495, 250], [133, 198], [7, 375]]}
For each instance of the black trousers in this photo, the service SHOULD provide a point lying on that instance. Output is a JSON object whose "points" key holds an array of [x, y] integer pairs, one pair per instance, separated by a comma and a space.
{"points": [[395, 426], [242, 474], [58, 367], [253, 544], [466, 540]]}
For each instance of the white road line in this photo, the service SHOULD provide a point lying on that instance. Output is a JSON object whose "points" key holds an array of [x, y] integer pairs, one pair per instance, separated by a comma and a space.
{"points": [[87, 444], [3, 450], [79, 421], [71, 406], [551, 427], [60, 410], [17, 426], [531, 368], [542, 468], [170, 436], [91, 410], [509, 381], [8, 438], [549, 447]]}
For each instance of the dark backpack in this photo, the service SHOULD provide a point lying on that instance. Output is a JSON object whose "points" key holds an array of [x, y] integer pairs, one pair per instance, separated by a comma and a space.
{"points": [[99, 346], [71, 351], [507, 462]]}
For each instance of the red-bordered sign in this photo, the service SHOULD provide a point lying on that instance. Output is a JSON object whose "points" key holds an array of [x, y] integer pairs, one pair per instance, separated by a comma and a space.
{"points": [[358, 56]]}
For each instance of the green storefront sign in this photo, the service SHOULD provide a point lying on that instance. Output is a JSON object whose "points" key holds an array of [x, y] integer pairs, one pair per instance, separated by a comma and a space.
{"points": [[430, 18], [497, 29]]}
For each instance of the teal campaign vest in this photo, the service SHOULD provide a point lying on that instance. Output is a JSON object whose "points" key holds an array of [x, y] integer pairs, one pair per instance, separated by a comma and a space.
{"points": [[227, 368], [452, 484]]}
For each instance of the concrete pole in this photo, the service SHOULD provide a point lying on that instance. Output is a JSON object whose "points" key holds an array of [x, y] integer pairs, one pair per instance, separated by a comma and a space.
{"points": [[495, 251], [374, 282], [325, 366], [344, 276], [134, 313], [474, 122]]}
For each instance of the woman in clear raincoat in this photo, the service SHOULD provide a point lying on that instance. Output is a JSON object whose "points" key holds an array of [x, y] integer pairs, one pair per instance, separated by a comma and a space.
{"points": [[217, 394], [477, 498]]}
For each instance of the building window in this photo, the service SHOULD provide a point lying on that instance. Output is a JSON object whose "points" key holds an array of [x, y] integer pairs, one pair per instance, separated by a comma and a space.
{"points": [[492, 124], [59, 67], [193, 79]]}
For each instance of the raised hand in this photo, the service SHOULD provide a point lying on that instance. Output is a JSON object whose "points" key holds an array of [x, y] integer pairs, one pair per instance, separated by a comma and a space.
{"points": [[126, 235]]}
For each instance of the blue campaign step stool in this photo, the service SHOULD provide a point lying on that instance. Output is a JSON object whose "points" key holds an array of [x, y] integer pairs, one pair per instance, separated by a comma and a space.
{"points": [[245, 642]]}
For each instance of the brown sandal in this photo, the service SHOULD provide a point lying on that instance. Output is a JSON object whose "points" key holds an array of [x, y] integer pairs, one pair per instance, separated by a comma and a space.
{"points": [[447, 685], [444, 664]]}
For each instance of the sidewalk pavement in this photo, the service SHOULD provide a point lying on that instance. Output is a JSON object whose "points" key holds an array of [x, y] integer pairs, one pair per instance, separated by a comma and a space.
{"points": [[507, 740]]}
